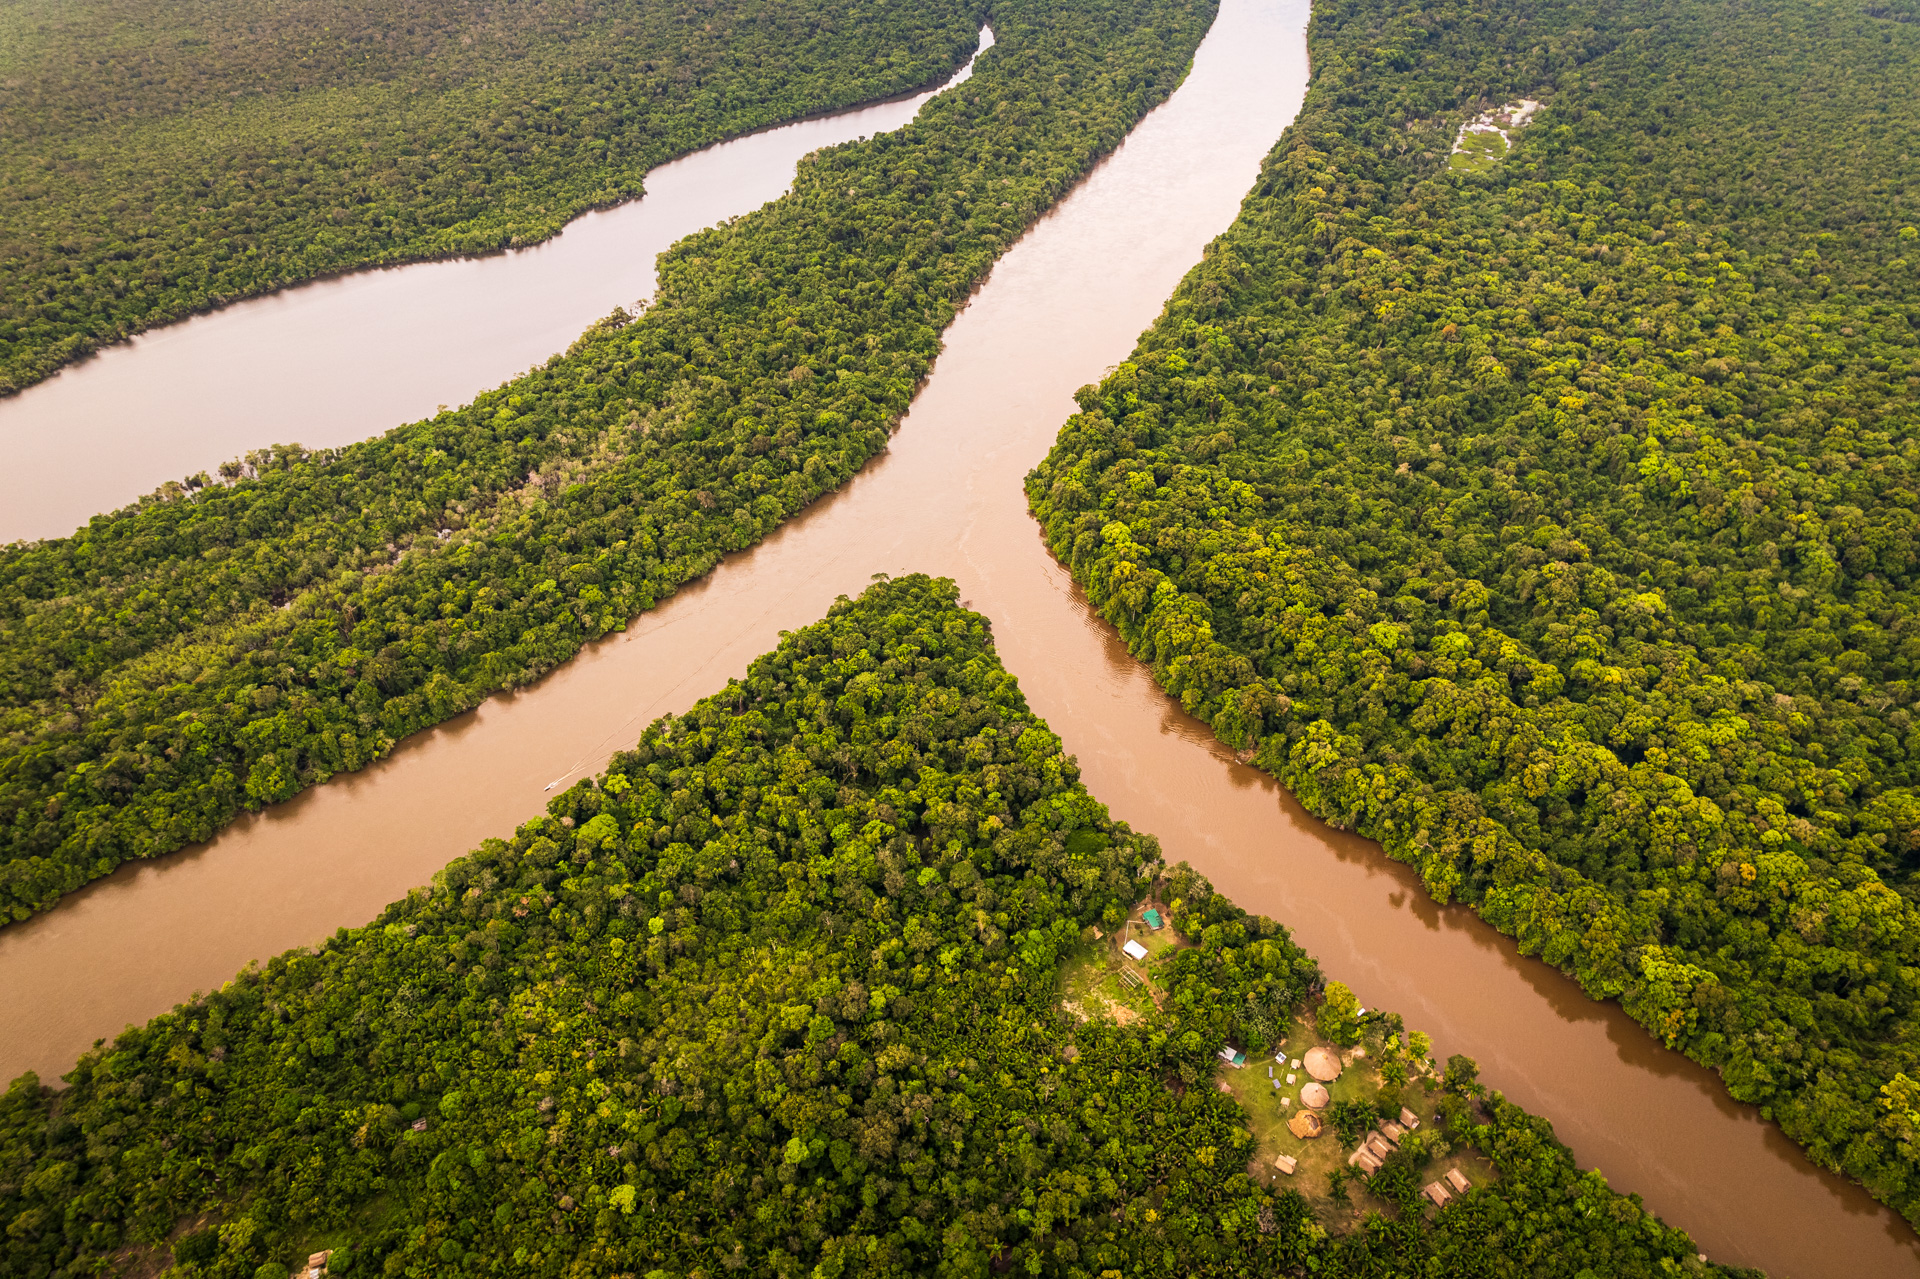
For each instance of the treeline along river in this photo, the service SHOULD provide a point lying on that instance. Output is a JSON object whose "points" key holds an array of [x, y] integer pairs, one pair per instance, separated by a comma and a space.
{"points": [[1066, 302], [219, 647], [329, 363]]}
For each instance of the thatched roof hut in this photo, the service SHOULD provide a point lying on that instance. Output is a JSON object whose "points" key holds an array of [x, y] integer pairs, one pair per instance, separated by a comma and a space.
{"points": [[1323, 1064], [1286, 1163], [1305, 1125], [1436, 1193], [1458, 1180], [1315, 1095]]}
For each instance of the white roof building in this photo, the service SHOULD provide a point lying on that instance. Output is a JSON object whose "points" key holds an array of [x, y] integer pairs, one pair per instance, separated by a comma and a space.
{"points": [[1134, 950]]}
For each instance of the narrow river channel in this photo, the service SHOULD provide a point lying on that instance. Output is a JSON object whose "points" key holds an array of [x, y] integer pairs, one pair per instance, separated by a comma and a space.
{"points": [[338, 360], [1066, 302]]}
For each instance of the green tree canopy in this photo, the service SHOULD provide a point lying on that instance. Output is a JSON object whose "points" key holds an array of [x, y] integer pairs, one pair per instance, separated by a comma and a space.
{"points": [[222, 646], [159, 160], [796, 1013], [1556, 525]]}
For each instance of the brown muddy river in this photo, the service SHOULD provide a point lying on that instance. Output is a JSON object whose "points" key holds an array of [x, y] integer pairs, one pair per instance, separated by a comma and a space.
{"points": [[1066, 302]]}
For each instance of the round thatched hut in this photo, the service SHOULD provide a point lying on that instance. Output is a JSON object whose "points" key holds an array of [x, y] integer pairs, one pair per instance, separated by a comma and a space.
{"points": [[1323, 1064], [1305, 1125], [1315, 1095]]}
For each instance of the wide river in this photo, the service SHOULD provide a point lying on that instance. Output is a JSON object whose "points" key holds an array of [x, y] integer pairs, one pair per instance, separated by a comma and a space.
{"points": [[1066, 302]]}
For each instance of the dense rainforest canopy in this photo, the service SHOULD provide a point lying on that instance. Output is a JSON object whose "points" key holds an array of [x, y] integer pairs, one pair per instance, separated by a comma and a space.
{"points": [[226, 643], [776, 995], [159, 159], [1556, 524]]}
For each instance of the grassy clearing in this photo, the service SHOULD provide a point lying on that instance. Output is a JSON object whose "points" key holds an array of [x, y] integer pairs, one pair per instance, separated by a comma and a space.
{"points": [[1099, 982], [1321, 1156], [1479, 151], [1091, 988], [1485, 140], [1094, 986]]}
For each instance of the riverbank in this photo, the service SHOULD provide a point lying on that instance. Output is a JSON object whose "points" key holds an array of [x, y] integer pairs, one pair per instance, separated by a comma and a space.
{"points": [[784, 981], [114, 427], [279, 145], [946, 498], [1381, 498], [260, 637]]}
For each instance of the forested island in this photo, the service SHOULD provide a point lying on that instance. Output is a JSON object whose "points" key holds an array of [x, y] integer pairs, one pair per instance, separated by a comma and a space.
{"points": [[159, 161], [230, 641], [1550, 515], [784, 992]]}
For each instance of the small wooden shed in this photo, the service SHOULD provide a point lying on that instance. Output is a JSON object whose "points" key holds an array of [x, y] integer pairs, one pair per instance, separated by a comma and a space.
{"points": [[1458, 1180], [1408, 1119], [1286, 1163]]}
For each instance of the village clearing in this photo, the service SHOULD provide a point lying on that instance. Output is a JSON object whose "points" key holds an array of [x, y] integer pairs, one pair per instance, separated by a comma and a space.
{"points": [[1101, 982], [1318, 1157]]}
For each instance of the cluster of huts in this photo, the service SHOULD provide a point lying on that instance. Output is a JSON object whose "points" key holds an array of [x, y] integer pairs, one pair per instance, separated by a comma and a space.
{"points": [[1131, 947], [1381, 1142], [1441, 1192], [1324, 1066]]}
